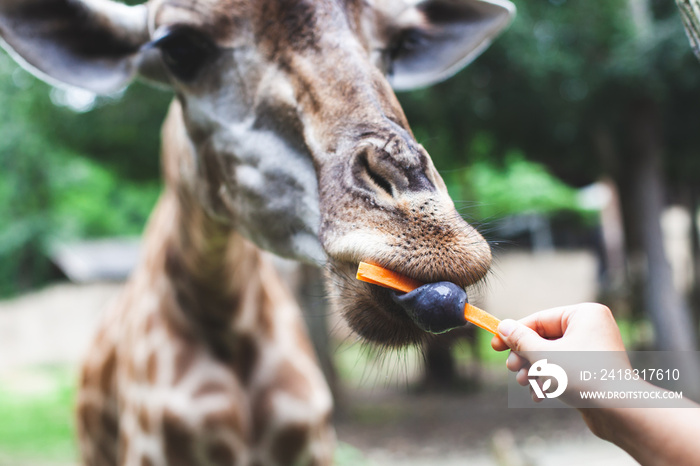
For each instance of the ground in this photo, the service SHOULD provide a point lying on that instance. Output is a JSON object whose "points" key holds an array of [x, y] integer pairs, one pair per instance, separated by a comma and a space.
{"points": [[384, 418], [469, 429]]}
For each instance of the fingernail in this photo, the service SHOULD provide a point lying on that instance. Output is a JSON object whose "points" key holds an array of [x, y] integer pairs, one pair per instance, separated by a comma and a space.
{"points": [[506, 327]]}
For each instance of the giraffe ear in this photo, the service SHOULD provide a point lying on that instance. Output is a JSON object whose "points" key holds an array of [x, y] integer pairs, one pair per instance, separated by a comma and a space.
{"points": [[438, 38], [91, 44]]}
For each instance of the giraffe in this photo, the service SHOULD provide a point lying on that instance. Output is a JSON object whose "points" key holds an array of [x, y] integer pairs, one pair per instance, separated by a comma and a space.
{"points": [[285, 136]]}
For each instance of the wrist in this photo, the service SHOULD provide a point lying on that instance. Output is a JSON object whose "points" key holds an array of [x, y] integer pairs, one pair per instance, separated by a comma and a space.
{"points": [[607, 420], [597, 421]]}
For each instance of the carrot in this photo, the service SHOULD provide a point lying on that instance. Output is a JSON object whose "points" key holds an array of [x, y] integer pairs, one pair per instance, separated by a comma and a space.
{"points": [[481, 318], [378, 275]]}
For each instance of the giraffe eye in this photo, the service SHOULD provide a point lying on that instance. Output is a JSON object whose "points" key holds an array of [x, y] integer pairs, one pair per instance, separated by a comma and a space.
{"points": [[184, 51], [406, 42]]}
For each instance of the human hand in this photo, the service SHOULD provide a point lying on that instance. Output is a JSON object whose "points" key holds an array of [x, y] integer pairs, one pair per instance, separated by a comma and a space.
{"points": [[651, 436], [581, 327]]}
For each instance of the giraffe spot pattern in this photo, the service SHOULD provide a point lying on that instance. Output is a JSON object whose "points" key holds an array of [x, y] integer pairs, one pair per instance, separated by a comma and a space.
{"points": [[289, 442], [177, 441]]}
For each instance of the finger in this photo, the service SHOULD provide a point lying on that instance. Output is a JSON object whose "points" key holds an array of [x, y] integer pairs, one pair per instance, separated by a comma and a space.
{"points": [[519, 337], [521, 377], [515, 362], [498, 344], [533, 395], [550, 323]]}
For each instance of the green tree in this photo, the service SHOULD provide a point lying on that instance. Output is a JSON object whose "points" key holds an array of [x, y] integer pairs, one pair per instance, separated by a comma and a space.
{"points": [[70, 174]]}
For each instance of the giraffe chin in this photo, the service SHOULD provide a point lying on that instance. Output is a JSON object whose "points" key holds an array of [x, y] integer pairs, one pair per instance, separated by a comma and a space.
{"points": [[370, 310]]}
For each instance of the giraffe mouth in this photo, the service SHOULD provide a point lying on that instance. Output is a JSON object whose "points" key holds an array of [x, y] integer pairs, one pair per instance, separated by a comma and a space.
{"points": [[393, 319], [370, 310]]}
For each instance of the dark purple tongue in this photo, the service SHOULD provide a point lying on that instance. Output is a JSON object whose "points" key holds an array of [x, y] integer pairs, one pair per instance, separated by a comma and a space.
{"points": [[435, 307]]}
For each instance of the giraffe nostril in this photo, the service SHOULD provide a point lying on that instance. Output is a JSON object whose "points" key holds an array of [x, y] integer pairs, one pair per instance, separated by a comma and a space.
{"points": [[366, 173]]}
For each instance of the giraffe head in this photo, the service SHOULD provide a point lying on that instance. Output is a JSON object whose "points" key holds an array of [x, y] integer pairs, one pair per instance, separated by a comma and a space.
{"points": [[292, 132]]}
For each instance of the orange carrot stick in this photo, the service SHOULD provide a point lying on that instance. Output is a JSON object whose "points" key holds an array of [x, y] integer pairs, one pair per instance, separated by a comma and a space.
{"points": [[377, 275], [481, 318]]}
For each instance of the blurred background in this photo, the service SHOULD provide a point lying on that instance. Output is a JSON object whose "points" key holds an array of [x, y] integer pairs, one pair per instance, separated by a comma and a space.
{"points": [[572, 143]]}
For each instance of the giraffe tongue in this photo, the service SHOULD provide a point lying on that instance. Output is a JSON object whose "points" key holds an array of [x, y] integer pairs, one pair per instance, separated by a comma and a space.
{"points": [[435, 307]]}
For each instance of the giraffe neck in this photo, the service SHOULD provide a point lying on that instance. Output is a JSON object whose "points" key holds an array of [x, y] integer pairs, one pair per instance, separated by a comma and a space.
{"points": [[215, 280], [206, 356]]}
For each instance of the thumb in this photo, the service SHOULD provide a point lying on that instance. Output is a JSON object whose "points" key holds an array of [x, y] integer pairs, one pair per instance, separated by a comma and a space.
{"points": [[519, 337]]}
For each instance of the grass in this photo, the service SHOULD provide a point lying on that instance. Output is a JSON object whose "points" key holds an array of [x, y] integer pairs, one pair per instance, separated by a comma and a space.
{"points": [[36, 417]]}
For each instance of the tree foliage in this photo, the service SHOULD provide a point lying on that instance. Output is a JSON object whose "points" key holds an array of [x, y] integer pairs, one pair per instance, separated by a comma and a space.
{"points": [[67, 174], [564, 70]]}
